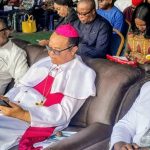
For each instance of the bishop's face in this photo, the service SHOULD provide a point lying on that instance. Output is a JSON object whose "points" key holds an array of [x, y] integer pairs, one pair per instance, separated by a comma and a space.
{"points": [[60, 50]]}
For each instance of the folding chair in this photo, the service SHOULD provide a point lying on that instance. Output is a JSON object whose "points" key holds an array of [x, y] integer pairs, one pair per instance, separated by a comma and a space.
{"points": [[117, 43], [128, 23]]}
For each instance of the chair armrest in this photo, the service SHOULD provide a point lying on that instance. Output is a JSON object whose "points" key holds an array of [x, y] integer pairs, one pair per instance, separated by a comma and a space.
{"points": [[86, 137], [101, 145]]}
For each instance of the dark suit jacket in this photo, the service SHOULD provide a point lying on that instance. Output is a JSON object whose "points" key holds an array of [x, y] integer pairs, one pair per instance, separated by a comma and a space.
{"points": [[95, 37]]}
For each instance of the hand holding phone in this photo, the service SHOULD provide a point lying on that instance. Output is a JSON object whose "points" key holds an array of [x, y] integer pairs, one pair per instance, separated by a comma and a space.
{"points": [[4, 103]]}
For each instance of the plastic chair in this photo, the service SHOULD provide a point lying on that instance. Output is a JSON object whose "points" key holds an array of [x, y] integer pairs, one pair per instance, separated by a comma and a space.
{"points": [[117, 43]]}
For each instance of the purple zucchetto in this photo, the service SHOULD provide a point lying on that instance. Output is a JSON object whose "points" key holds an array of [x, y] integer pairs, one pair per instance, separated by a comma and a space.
{"points": [[67, 30]]}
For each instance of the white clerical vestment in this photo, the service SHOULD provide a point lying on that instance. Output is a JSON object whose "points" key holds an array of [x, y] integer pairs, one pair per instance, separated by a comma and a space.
{"points": [[74, 79]]}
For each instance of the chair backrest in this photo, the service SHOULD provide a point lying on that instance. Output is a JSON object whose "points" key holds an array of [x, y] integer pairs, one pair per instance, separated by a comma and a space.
{"points": [[127, 27], [34, 53], [128, 24], [112, 82], [117, 43], [130, 97]]}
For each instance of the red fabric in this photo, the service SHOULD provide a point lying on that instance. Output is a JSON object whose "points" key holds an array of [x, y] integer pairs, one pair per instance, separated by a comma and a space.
{"points": [[14, 2], [37, 134], [33, 135], [137, 2], [128, 13], [44, 86], [120, 61], [53, 98]]}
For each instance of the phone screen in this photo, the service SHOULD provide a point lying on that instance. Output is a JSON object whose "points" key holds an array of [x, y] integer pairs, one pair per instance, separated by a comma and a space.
{"points": [[4, 103]]}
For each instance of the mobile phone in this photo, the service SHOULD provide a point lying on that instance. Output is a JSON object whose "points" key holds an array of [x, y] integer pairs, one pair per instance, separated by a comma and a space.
{"points": [[4, 103]]}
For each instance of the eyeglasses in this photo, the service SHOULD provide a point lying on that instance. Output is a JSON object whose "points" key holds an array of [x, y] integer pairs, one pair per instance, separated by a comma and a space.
{"points": [[57, 52], [3, 29], [84, 14]]}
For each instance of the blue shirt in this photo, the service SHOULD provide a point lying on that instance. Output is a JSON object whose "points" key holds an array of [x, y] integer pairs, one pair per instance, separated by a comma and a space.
{"points": [[115, 18]]}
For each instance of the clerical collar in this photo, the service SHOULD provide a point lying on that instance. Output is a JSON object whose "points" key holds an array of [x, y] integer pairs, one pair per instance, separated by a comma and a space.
{"points": [[67, 64]]}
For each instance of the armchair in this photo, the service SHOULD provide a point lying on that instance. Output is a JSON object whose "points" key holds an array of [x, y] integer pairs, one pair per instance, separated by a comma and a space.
{"points": [[95, 119], [117, 87], [117, 43]]}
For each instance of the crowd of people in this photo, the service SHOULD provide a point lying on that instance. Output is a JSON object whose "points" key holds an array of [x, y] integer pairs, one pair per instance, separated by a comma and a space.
{"points": [[14, 10], [48, 86]]}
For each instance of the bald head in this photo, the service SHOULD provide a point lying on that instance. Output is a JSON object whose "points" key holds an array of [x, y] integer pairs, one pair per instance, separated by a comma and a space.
{"points": [[89, 4], [86, 11]]}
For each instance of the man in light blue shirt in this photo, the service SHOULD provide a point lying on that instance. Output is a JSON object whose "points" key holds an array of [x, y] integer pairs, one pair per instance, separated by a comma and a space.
{"points": [[112, 14]]}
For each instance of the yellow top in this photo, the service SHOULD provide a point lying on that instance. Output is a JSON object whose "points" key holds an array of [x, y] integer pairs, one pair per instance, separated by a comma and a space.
{"points": [[138, 48]]}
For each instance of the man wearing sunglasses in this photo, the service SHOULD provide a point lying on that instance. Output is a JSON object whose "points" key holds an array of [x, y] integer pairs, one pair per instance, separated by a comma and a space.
{"points": [[49, 94], [13, 63], [94, 31]]}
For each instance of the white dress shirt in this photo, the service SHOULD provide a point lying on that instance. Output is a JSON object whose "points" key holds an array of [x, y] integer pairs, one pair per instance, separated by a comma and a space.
{"points": [[13, 64], [122, 4], [136, 122]]}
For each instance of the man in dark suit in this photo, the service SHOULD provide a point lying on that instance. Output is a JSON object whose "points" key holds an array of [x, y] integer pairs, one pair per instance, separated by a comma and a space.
{"points": [[94, 31]]}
